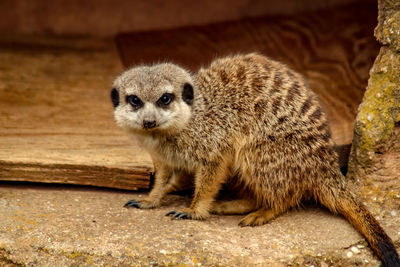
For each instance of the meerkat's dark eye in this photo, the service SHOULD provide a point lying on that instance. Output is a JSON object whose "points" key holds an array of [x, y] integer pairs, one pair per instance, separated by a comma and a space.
{"points": [[165, 100], [134, 101]]}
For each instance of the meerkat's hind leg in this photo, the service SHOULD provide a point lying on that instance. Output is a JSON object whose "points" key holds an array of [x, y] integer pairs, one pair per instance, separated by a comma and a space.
{"points": [[231, 207], [260, 217]]}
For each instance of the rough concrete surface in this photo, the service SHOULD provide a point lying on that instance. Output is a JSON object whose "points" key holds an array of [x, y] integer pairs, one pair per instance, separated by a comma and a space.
{"points": [[80, 226]]}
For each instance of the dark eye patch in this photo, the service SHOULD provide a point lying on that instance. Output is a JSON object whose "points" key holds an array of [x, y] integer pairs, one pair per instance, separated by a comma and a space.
{"points": [[165, 100], [114, 97], [187, 93], [134, 101]]}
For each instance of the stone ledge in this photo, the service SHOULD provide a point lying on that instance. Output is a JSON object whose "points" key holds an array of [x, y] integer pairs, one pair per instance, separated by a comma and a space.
{"points": [[65, 226]]}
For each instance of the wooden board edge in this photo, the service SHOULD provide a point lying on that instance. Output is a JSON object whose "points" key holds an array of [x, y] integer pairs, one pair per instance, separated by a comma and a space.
{"points": [[101, 176]]}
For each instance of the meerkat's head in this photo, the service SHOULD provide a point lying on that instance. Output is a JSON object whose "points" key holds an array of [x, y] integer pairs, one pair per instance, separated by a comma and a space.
{"points": [[153, 98]]}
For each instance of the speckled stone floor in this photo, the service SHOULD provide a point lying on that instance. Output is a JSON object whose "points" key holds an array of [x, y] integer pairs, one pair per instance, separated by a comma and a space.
{"points": [[70, 226]]}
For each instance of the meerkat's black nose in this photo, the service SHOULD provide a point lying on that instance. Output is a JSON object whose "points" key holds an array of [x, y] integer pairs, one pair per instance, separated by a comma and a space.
{"points": [[149, 124]]}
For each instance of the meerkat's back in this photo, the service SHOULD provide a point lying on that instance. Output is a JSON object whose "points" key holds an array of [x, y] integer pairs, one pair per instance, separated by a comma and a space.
{"points": [[254, 87]]}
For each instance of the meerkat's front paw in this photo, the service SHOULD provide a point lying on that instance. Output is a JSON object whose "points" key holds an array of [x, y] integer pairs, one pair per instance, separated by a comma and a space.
{"points": [[141, 204], [187, 214]]}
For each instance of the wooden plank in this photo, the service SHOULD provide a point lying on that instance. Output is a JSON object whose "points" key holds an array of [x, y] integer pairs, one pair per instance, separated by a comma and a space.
{"points": [[56, 118], [76, 174], [334, 49]]}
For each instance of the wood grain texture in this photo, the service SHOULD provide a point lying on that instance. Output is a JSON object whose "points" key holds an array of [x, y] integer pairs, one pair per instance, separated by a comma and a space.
{"points": [[108, 18], [76, 174], [334, 49], [56, 117]]}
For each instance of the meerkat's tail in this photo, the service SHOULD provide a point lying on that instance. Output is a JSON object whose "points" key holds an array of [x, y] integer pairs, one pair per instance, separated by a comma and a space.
{"points": [[346, 204]]}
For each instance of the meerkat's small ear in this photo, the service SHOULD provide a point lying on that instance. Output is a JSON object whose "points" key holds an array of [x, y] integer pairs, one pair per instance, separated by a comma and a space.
{"points": [[187, 93], [115, 97]]}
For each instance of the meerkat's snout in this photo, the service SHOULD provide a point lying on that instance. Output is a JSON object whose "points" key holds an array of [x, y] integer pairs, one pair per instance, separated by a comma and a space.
{"points": [[149, 124], [148, 116]]}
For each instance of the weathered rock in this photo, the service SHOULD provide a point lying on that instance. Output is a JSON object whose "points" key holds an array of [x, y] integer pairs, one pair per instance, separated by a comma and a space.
{"points": [[375, 154], [378, 116], [388, 30]]}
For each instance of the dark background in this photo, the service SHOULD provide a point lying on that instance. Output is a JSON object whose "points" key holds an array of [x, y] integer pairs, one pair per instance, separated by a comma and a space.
{"points": [[108, 18]]}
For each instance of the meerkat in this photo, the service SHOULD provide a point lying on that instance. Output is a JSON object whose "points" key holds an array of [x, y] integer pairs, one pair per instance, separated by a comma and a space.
{"points": [[246, 121]]}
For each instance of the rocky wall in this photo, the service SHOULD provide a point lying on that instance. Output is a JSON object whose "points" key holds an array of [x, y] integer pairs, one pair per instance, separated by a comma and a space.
{"points": [[375, 156]]}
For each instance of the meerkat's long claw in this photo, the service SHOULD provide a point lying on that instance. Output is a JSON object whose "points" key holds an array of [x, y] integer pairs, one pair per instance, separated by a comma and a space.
{"points": [[171, 213], [179, 215], [182, 215], [132, 203]]}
